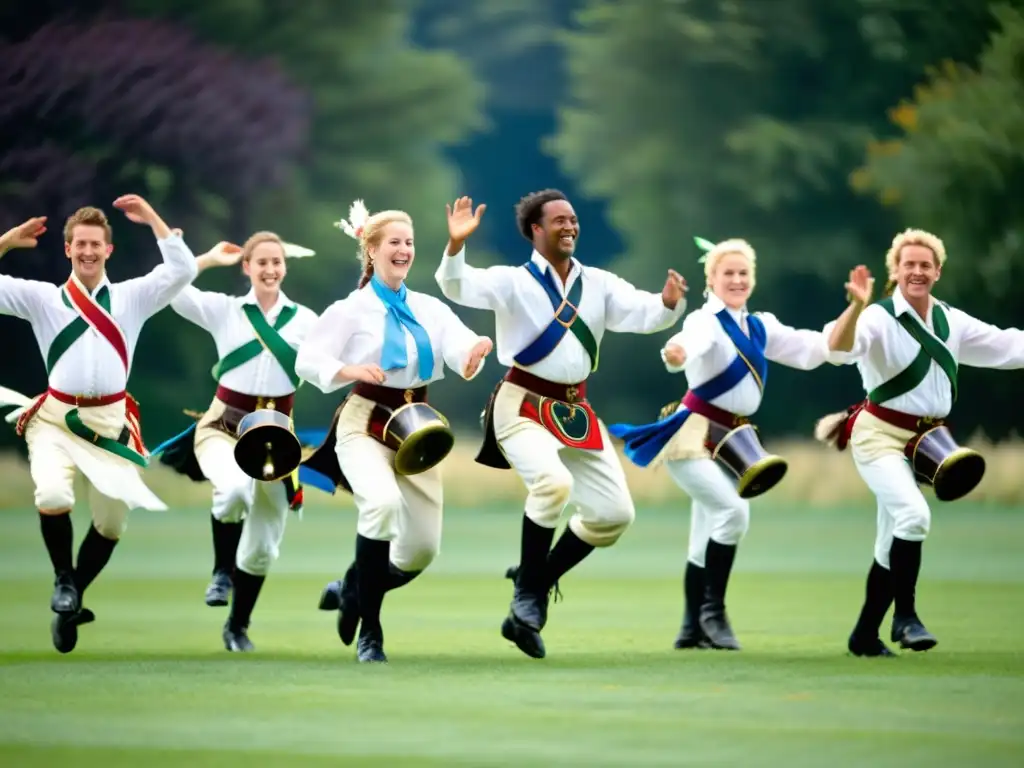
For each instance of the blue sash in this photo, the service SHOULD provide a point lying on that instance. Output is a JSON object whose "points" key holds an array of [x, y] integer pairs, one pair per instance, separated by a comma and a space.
{"points": [[646, 441], [566, 319]]}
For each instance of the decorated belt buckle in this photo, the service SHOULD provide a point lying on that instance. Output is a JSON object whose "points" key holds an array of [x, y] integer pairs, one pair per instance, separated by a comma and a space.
{"points": [[572, 393]]}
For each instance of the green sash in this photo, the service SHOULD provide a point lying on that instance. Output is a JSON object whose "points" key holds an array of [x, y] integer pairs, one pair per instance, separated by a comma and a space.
{"points": [[932, 350], [74, 330], [74, 423], [268, 338]]}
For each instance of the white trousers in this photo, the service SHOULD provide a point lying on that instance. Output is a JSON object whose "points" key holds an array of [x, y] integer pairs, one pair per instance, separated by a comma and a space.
{"points": [[716, 510], [261, 507], [902, 509], [877, 449], [557, 476], [56, 456], [404, 510]]}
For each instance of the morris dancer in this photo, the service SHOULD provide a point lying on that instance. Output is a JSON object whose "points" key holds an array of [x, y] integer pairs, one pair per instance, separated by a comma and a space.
{"points": [[724, 351], [392, 342], [256, 337], [907, 348], [87, 330], [551, 314]]}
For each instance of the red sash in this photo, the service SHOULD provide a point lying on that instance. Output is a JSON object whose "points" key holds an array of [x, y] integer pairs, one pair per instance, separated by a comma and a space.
{"points": [[98, 318]]}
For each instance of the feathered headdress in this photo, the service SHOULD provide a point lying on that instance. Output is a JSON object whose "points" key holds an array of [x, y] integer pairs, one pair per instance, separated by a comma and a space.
{"points": [[704, 245], [357, 216], [293, 251]]}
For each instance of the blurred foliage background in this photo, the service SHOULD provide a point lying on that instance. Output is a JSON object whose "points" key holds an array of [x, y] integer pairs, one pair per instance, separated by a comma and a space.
{"points": [[815, 130]]}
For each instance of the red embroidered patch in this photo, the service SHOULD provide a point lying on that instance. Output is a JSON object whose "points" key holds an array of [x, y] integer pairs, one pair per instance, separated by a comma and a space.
{"points": [[574, 424]]}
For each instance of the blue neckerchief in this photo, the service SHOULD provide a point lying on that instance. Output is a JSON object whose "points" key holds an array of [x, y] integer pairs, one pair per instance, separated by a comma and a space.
{"points": [[393, 356]]}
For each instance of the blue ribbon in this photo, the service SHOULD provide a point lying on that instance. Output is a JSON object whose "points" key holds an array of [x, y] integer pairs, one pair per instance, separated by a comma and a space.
{"points": [[399, 319], [645, 441]]}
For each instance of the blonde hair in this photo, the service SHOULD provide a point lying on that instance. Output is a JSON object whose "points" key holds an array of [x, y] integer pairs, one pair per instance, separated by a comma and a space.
{"points": [[258, 238], [724, 248], [911, 237], [368, 231], [90, 217]]}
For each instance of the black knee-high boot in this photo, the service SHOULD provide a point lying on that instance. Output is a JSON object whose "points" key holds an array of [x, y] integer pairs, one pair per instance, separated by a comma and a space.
{"points": [[690, 634], [243, 599], [569, 551], [373, 565], [864, 641], [58, 535], [93, 556], [905, 566], [530, 597], [718, 560]]}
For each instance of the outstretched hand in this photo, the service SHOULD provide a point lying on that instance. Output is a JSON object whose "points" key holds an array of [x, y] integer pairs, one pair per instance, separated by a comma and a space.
{"points": [[462, 221], [25, 235], [136, 209], [674, 290], [476, 356], [860, 285], [224, 254]]}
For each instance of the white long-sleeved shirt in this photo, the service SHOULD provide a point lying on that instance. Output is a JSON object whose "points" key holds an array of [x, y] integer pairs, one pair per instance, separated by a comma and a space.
{"points": [[709, 351], [91, 366], [222, 317], [351, 332], [522, 309], [882, 349]]}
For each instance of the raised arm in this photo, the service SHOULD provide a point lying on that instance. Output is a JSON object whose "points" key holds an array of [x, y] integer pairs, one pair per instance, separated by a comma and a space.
{"points": [[463, 350], [206, 308], [986, 346], [842, 332], [154, 291], [797, 348], [490, 288], [23, 298], [320, 358], [630, 310], [693, 340]]}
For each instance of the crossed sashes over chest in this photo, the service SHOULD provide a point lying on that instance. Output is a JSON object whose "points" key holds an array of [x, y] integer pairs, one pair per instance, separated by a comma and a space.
{"points": [[93, 312], [268, 337], [933, 349], [574, 424], [644, 442]]}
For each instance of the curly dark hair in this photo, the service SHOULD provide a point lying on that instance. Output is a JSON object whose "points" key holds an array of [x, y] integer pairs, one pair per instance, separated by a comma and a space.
{"points": [[530, 209]]}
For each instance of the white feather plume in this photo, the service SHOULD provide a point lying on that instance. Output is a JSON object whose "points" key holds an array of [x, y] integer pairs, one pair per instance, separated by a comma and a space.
{"points": [[357, 216]]}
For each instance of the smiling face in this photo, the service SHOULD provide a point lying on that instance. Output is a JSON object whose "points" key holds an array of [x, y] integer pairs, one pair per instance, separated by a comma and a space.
{"points": [[731, 280], [558, 230], [88, 249], [393, 255], [265, 266], [917, 269]]}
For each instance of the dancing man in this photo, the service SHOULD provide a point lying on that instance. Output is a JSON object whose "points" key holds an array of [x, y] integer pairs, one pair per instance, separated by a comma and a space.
{"points": [[550, 316], [908, 348], [87, 330]]}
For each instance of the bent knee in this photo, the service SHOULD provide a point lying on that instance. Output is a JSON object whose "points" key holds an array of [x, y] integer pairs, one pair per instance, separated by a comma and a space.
{"points": [[418, 559], [549, 494], [605, 529], [230, 504], [54, 497], [912, 522], [111, 525], [257, 560], [732, 524]]}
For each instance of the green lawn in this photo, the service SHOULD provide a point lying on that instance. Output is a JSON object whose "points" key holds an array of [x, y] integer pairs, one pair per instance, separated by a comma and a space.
{"points": [[149, 684]]}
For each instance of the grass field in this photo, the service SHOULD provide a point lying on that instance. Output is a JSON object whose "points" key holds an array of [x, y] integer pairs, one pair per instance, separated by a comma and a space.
{"points": [[149, 684]]}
